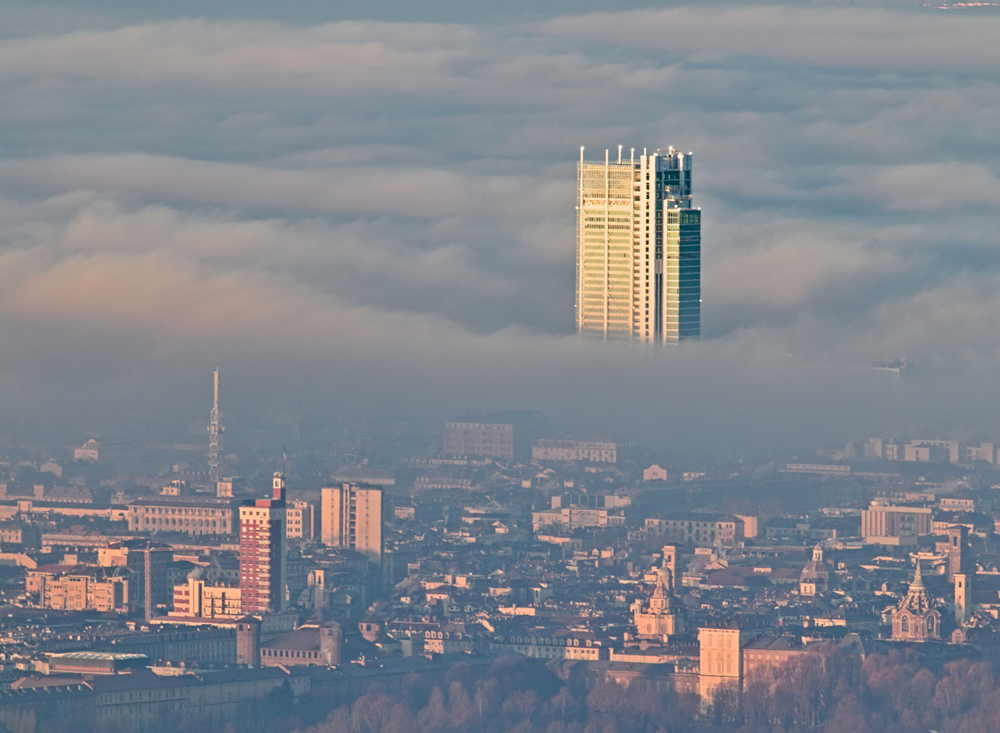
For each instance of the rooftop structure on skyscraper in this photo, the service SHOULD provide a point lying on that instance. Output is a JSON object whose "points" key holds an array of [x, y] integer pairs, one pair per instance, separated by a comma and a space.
{"points": [[638, 255]]}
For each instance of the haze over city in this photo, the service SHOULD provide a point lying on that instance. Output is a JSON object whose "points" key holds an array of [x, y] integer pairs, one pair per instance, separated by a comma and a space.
{"points": [[372, 366], [368, 210]]}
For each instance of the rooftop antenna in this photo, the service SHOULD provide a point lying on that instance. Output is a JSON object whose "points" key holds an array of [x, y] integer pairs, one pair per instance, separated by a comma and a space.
{"points": [[214, 436], [278, 488], [619, 154]]}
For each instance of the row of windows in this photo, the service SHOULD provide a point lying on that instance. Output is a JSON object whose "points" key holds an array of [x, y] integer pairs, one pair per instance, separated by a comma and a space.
{"points": [[288, 654], [904, 625], [182, 522], [550, 642], [182, 510], [689, 524], [151, 695]]}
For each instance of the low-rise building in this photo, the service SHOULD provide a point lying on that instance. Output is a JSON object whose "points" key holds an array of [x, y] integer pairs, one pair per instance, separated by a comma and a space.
{"points": [[544, 644], [982, 452], [931, 450], [120, 458], [202, 644], [91, 663], [654, 473], [206, 599], [80, 588], [444, 478], [454, 637], [570, 449], [15, 533], [824, 469], [577, 518], [308, 645], [702, 530]]}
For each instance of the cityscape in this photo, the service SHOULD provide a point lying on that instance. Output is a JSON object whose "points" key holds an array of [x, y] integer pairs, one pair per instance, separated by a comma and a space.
{"points": [[512, 368], [140, 593]]}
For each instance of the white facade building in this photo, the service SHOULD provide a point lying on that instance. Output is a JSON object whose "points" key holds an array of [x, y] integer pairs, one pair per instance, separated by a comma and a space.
{"points": [[351, 517], [300, 520], [594, 451], [638, 264]]}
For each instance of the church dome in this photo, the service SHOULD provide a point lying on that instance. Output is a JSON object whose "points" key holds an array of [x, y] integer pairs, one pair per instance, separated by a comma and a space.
{"points": [[816, 568]]}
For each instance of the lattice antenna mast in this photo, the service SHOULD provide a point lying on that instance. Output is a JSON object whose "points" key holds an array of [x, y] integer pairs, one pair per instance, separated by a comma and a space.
{"points": [[214, 438]]}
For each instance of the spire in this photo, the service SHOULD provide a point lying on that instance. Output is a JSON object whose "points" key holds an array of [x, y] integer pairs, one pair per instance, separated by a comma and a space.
{"points": [[661, 586], [659, 602], [667, 573], [916, 599]]}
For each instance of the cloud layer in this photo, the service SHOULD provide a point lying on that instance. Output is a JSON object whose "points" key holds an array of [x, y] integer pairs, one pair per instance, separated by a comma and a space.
{"points": [[377, 217]]}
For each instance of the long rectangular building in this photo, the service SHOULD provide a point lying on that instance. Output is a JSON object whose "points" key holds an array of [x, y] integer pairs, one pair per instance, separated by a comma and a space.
{"points": [[190, 516], [895, 525], [569, 449], [80, 588], [702, 530], [479, 439]]}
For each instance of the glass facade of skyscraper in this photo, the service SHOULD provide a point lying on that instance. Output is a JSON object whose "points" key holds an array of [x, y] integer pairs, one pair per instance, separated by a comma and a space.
{"points": [[638, 263]]}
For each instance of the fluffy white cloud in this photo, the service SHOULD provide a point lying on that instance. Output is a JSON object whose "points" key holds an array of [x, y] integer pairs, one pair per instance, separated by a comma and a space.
{"points": [[388, 208], [855, 39]]}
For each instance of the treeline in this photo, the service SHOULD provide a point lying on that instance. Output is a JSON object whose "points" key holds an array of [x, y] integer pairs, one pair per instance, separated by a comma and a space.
{"points": [[513, 696], [832, 694], [829, 694], [887, 694]]}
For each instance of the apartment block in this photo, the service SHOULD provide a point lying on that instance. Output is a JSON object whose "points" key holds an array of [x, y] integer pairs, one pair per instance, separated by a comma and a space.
{"points": [[301, 519], [351, 517], [577, 518], [506, 435], [79, 588], [702, 530], [198, 598], [494, 440], [895, 525]]}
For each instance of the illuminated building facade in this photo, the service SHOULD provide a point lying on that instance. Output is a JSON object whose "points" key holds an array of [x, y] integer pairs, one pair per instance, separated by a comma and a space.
{"points": [[263, 552], [638, 254]]}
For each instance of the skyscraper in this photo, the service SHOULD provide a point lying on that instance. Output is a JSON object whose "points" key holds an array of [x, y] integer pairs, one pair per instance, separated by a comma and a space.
{"points": [[638, 248], [263, 552], [351, 517]]}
